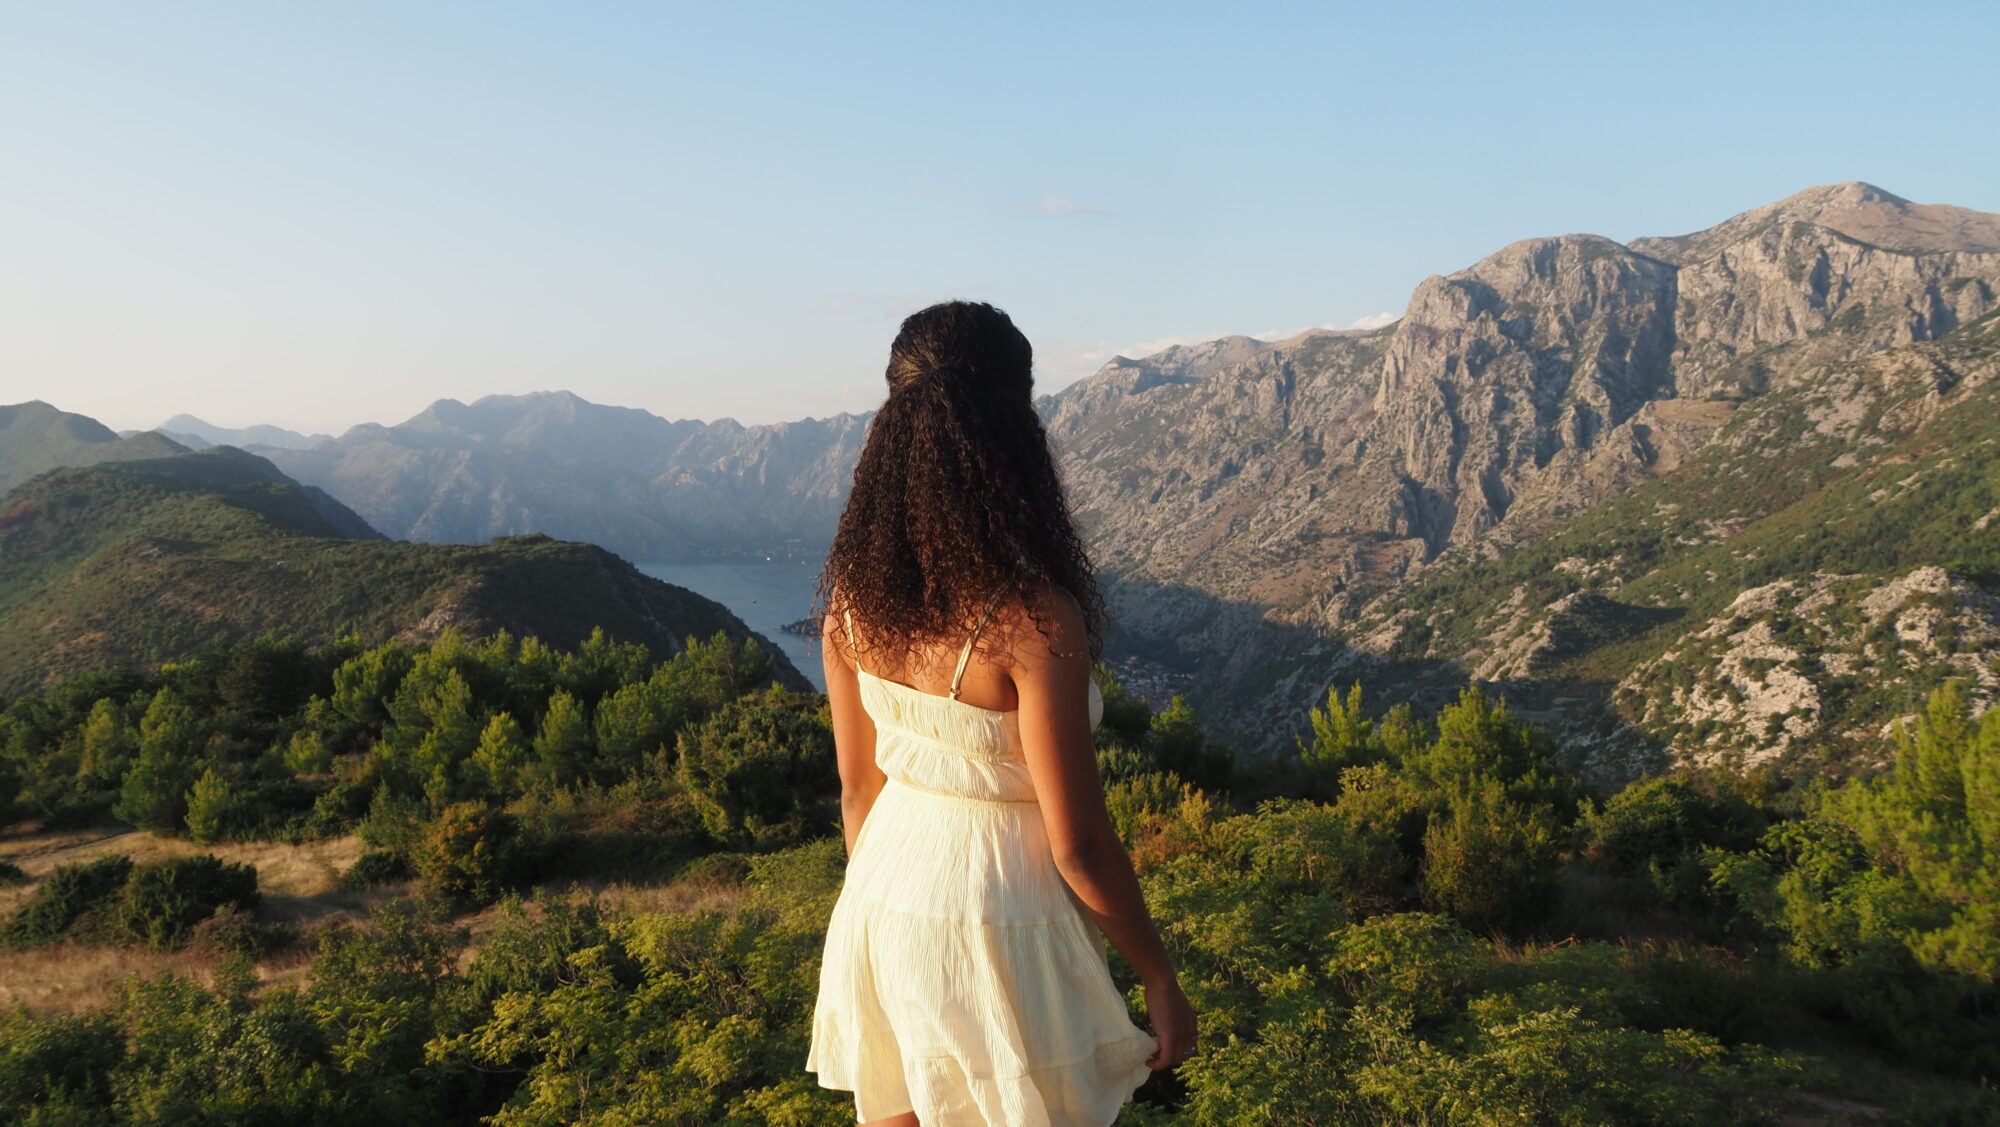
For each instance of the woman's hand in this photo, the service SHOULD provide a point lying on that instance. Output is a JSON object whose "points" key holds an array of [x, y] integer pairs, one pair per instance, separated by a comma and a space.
{"points": [[1172, 1019]]}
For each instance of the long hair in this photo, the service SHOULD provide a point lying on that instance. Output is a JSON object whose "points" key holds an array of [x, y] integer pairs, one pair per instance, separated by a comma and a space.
{"points": [[955, 492]]}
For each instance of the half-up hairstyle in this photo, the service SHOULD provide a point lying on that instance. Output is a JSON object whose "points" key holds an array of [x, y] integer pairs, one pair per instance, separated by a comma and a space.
{"points": [[955, 492]]}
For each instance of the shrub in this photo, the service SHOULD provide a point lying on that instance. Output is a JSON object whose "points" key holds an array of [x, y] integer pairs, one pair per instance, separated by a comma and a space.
{"points": [[375, 867], [1662, 820], [338, 808], [755, 770], [65, 897], [161, 902], [1491, 861], [57, 1068], [1414, 962], [1177, 743], [641, 829], [1135, 802], [1338, 849], [716, 870], [307, 753], [394, 822], [469, 854], [234, 931]]}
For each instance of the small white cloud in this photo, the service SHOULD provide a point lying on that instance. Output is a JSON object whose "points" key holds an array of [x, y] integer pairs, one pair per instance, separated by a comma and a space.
{"points": [[1054, 204], [1375, 321]]}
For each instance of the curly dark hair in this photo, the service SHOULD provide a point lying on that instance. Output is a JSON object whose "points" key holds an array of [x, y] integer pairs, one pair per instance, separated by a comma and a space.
{"points": [[955, 492]]}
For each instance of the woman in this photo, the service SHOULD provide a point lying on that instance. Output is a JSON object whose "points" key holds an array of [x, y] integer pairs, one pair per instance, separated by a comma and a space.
{"points": [[965, 980]]}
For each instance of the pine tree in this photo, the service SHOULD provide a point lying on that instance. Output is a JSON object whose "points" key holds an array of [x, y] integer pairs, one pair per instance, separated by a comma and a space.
{"points": [[154, 795], [499, 766], [562, 747]]}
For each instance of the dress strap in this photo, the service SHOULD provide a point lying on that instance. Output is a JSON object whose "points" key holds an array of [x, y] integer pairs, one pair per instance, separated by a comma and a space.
{"points": [[965, 654]]}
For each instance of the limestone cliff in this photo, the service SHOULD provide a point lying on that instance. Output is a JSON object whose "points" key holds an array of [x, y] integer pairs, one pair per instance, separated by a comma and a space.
{"points": [[1254, 498]]}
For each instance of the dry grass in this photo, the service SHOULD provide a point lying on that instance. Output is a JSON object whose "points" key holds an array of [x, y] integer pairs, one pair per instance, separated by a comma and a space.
{"points": [[69, 977], [300, 886], [73, 977], [283, 871], [674, 898]]}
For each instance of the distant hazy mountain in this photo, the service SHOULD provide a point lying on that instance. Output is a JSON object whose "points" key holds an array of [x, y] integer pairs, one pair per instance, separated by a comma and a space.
{"points": [[196, 434], [140, 562], [645, 487], [35, 437]]}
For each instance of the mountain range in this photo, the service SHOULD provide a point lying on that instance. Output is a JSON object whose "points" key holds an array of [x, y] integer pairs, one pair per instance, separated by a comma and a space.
{"points": [[1461, 495], [1270, 510], [35, 437], [643, 486], [196, 434], [134, 561]]}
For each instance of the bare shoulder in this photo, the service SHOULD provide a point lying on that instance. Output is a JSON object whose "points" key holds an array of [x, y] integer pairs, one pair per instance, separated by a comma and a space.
{"points": [[1047, 626]]}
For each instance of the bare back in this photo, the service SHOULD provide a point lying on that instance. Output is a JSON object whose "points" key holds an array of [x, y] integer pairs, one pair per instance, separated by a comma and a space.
{"points": [[981, 669]]}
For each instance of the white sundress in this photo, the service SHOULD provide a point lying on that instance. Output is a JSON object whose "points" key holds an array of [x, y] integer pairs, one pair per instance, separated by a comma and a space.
{"points": [[962, 978]]}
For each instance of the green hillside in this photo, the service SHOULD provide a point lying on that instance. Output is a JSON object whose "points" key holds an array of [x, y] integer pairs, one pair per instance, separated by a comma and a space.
{"points": [[35, 437], [147, 561]]}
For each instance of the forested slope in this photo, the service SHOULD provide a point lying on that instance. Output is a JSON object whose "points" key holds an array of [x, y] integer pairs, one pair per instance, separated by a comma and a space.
{"points": [[147, 561]]}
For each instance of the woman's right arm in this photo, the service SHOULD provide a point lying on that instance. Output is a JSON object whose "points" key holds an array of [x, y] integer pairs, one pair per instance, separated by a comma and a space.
{"points": [[1052, 678], [853, 733]]}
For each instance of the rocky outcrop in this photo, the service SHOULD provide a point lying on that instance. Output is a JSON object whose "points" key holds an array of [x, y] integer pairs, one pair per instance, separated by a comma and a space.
{"points": [[1505, 378], [1288, 487], [1531, 386], [1817, 662], [1822, 276]]}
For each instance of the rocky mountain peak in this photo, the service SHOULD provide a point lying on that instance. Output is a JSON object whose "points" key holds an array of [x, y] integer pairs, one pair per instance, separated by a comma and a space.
{"points": [[1194, 360], [1859, 211]]}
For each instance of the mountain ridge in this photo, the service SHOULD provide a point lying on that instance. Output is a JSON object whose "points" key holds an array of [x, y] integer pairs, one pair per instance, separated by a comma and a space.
{"points": [[36, 436], [142, 561], [1240, 490], [549, 462], [196, 433]]}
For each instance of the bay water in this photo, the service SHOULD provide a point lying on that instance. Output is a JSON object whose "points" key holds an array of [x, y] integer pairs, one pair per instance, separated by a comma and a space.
{"points": [[765, 594]]}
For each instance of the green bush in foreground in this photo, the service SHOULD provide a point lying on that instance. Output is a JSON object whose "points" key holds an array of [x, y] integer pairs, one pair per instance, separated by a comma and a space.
{"points": [[757, 772], [1380, 948], [1891, 886]]}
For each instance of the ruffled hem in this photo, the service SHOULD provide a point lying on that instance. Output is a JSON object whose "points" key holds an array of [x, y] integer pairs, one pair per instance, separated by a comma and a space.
{"points": [[1087, 1091], [1004, 997]]}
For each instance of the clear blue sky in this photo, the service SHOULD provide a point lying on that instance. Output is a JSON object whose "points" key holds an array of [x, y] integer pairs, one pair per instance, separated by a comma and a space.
{"points": [[323, 214]]}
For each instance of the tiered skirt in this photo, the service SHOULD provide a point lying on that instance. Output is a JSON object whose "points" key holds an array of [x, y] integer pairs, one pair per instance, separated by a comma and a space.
{"points": [[962, 979]]}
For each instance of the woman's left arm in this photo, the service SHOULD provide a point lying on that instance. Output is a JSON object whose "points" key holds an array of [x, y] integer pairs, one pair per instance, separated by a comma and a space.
{"points": [[853, 734]]}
